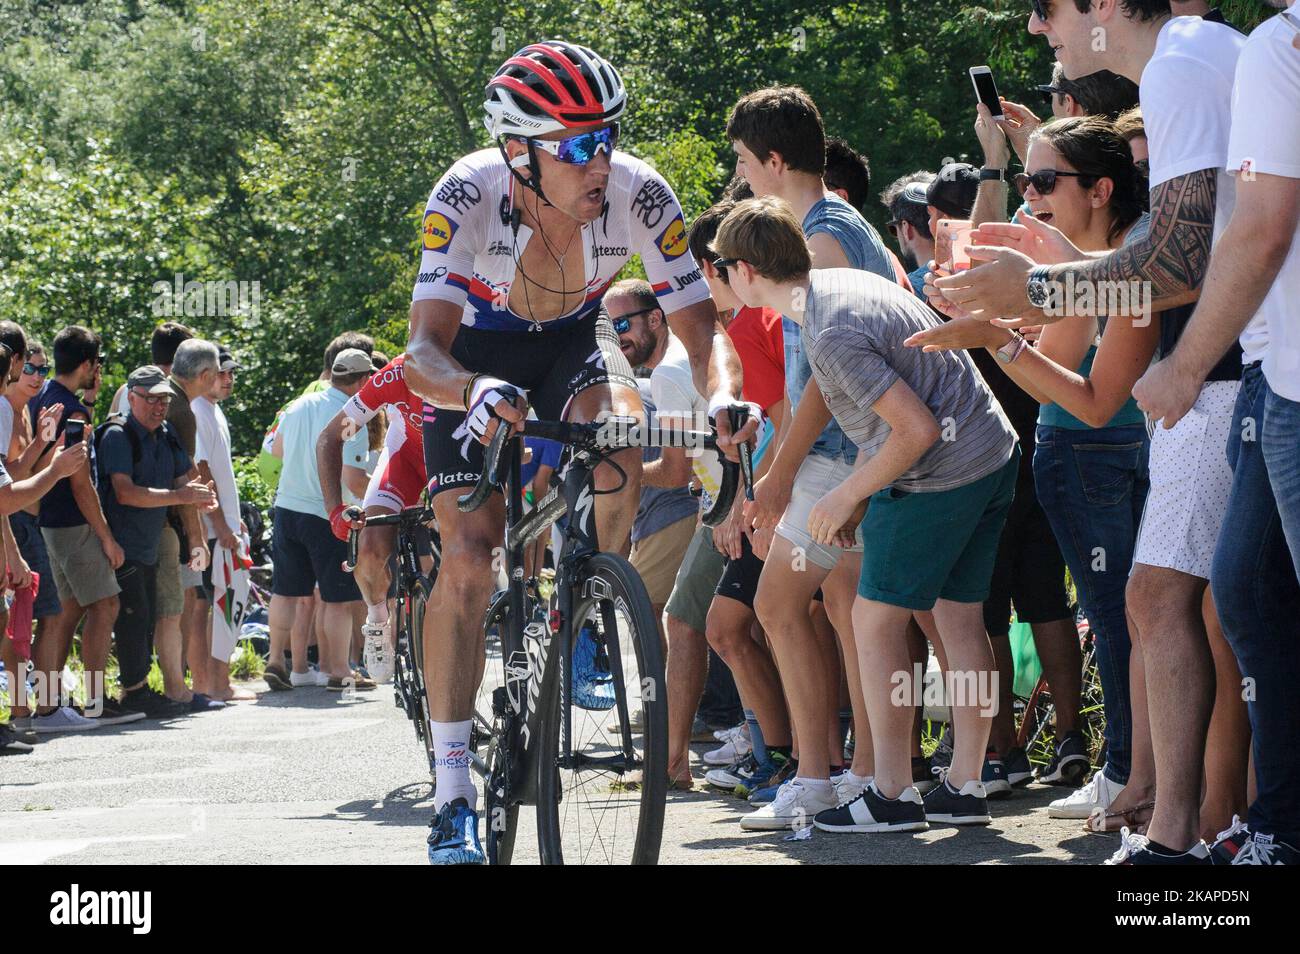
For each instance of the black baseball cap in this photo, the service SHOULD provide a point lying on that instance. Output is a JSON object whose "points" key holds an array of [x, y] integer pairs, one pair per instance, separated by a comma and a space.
{"points": [[953, 191]]}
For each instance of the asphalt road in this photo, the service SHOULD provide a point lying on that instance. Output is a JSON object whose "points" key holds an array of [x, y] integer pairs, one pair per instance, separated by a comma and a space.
{"points": [[312, 777]]}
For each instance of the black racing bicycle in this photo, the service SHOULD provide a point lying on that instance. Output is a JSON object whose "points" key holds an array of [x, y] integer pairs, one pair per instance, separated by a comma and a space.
{"points": [[592, 759]]}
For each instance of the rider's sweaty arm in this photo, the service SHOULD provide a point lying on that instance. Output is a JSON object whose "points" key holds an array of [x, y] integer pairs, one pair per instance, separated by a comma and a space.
{"points": [[714, 365], [430, 370], [329, 460]]}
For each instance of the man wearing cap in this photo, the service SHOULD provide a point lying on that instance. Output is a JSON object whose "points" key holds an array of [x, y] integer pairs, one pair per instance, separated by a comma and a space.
{"points": [[304, 549], [143, 471], [952, 193], [221, 526], [192, 371], [909, 223]]}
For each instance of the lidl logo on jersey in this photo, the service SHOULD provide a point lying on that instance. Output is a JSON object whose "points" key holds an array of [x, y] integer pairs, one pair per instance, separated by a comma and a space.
{"points": [[438, 230], [672, 240]]}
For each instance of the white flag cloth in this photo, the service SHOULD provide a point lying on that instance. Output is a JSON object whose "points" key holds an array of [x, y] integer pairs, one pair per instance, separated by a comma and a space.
{"points": [[230, 578]]}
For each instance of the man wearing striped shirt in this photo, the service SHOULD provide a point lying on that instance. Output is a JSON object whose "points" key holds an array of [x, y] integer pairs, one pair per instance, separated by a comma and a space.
{"points": [[936, 464]]}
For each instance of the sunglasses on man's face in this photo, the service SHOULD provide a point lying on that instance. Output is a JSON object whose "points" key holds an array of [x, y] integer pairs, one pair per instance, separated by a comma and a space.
{"points": [[1044, 180], [1143, 166], [722, 265], [1042, 9], [581, 149], [40, 370], [153, 400], [623, 323]]}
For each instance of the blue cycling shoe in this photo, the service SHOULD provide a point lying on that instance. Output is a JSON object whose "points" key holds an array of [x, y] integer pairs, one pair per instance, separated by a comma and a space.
{"points": [[593, 686], [454, 836]]}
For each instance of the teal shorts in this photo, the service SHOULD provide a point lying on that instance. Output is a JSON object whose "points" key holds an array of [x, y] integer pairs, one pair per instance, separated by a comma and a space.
{"points": [[923, 547]]}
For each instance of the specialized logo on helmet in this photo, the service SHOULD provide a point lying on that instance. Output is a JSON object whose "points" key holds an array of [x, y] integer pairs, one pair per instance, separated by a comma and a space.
{"points": [[438, 230], [672, 240]]}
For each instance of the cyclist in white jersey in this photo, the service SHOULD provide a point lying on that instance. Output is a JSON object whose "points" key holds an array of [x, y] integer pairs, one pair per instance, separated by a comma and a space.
{"points": [[520, 242]]}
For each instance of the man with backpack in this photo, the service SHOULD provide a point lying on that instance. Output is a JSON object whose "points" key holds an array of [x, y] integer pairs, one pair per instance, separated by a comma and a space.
{"points": [[143, 470]]}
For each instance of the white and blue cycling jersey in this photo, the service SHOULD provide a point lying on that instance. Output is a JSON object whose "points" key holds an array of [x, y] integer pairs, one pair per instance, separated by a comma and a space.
{"points": [[470, 251]]}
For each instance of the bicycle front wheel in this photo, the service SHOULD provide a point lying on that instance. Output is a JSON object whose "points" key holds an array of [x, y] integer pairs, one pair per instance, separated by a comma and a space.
{"points": [[603, 801]]}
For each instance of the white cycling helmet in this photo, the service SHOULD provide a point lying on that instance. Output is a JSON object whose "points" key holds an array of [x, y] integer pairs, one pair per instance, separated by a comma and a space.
{"points": [[550, 86]]}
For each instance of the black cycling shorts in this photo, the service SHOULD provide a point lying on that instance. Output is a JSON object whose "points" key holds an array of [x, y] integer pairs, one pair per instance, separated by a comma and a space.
{"points": [[552, 365], [740, 577]]}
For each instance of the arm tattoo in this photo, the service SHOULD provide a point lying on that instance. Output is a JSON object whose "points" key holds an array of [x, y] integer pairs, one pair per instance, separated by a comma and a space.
{"points": [[1175, 255]]}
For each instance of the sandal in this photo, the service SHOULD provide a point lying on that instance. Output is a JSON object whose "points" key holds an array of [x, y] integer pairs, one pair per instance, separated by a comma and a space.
{"points": [[1111, 822]]}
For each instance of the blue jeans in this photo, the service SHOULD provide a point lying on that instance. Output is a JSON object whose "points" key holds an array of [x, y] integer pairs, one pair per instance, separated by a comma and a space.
{"points": [[1258, 596], [1092, 485]]}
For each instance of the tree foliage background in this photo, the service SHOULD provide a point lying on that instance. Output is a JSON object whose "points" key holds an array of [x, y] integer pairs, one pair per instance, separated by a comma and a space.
{"points": [[294, 143]]}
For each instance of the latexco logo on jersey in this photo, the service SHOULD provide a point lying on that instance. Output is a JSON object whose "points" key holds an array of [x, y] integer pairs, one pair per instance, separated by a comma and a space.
{"points": [[76, 907]]}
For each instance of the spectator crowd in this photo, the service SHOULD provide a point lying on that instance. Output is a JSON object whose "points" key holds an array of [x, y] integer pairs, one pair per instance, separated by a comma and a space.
{"points": [[966, 430]]}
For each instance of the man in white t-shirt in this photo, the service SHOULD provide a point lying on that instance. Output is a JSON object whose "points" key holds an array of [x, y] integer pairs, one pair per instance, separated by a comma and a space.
{"points": [[1185, 68], [645, 340], [222, 526], [1251, 291]]}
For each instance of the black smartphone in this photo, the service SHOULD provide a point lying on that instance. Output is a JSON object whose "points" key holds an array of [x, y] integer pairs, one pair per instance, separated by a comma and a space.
{"points": [[986, 91], [74, 433]]}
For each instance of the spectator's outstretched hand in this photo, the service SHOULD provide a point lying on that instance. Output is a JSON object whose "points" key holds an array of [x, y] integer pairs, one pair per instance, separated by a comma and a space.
{"points": [[995, 290], [935, 297], [959, 334], [197, 493], [1045, 244], [67, 460]]}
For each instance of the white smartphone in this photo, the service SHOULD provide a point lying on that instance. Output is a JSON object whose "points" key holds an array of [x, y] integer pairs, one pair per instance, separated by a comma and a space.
{"points": [[986, 91]]}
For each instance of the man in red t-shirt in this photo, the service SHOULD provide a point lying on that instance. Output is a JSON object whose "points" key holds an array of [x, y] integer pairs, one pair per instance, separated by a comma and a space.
{"points": [[396, 484]]}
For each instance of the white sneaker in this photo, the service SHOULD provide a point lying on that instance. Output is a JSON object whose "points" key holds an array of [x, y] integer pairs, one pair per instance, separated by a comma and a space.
{"points": [[1128, 843], [377, 656], [1081, 803], [848, 786], [63, 719], [794, 807], [733, 749], [312, 677], [726, 735]]}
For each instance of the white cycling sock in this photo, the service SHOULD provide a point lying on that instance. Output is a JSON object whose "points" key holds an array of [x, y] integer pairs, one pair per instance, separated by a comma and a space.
{"points": [[451, 762], [377, 613]]}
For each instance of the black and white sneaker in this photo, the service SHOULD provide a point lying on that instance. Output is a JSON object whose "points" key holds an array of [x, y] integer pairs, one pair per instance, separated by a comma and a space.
{"points": [[872, 812], [951, 807], [994, 777], [1264, 849], [1069, 766]]}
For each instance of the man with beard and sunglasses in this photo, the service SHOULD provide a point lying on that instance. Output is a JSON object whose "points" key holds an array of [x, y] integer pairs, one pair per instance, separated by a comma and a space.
{"points": [[520, 243]]}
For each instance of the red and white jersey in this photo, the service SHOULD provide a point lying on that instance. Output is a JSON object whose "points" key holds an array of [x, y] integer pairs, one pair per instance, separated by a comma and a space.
{"points": [[387, 386]]}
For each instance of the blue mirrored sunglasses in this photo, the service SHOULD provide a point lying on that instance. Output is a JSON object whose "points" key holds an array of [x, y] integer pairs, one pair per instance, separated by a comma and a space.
{"points": [[40, 370], [580, 150]]}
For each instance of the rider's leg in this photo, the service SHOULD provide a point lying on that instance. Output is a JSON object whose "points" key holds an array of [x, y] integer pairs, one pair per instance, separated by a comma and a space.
{"points": [[453, 635], [374, 551]]}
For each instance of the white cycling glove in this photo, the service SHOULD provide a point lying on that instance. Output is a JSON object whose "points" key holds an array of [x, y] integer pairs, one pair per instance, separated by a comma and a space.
{"points": [[721, 402], [484, 395]]}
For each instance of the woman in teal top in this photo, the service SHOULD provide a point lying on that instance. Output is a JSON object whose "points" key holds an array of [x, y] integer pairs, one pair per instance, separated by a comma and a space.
{"points": [[1090, 459]]}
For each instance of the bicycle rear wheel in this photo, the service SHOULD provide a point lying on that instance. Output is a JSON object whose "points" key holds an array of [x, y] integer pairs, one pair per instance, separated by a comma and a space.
{"points": [[607, 806]]}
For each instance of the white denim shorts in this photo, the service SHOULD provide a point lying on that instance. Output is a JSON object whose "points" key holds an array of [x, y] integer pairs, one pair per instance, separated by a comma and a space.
{"points": [[817, 477]]}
